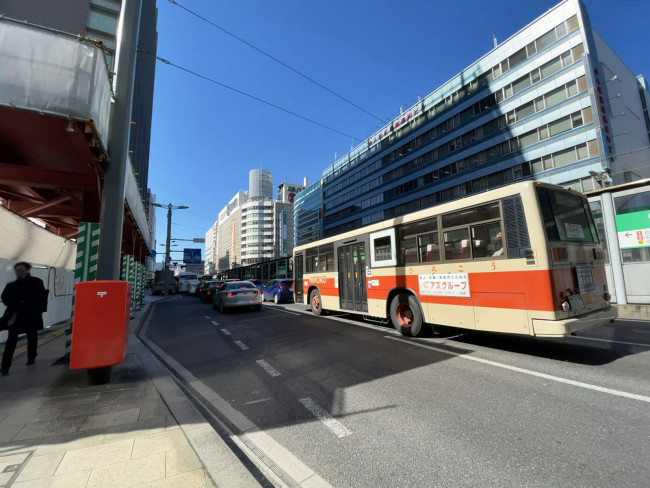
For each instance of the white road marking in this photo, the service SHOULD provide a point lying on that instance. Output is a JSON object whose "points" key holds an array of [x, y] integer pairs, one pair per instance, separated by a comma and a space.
{"points": [[214, 322], [270, 307], [588, 386], [268, 368], [241, 345], [613, 342], [207, 317], [225, 331], [331, 423]]}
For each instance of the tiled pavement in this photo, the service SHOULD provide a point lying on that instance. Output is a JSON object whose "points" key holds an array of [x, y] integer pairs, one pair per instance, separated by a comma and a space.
{"points": [[57, 431]]}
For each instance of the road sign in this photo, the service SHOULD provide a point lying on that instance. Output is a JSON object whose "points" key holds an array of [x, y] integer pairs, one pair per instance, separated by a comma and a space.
{"points": [[633, 229], [191, 256], [199, 240], [153, 253]]}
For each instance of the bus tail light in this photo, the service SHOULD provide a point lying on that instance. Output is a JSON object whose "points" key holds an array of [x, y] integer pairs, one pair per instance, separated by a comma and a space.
{"points": [[560, 253]]}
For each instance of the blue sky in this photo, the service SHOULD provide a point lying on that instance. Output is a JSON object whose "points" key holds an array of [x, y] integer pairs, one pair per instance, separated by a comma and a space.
{"points": [[380, 54]]}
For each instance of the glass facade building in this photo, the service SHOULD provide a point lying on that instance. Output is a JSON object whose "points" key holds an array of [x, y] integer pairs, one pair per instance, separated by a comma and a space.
{"points": [[544, 104], [307, 214]]}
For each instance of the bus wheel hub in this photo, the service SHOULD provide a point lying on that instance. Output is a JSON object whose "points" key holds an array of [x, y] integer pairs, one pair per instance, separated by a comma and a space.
{"points": [[404, 315], [315, 302]]}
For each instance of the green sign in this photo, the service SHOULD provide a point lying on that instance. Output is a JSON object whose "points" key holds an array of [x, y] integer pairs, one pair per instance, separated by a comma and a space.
{"points": [[633, 229]]}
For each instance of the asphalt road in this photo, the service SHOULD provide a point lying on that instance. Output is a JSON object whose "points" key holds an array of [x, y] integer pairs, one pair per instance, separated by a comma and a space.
{"points": [[364, 407]]}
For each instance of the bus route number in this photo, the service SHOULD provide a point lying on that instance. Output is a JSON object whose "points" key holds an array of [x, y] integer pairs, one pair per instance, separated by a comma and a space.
{"points": [[446, 285]]}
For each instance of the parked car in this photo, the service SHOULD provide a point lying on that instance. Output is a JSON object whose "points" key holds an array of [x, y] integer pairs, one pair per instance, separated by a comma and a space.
{"points": [[235, 294], [278, 290], [208, 290], [258, 284]]}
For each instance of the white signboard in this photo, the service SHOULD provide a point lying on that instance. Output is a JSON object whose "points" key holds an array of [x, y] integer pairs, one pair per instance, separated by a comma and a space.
{"points": [[634, 238], [445, 285], [574, 231]]}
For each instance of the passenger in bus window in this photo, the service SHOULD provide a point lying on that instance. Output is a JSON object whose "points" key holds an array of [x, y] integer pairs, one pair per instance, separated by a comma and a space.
{"points": [[499, 245]]}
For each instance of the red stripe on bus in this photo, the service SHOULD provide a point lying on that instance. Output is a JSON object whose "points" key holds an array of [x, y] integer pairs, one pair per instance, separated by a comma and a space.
{"points": [[521, 290]]}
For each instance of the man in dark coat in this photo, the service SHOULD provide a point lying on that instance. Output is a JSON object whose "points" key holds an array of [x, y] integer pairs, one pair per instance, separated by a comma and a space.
{"points": [[26, 300]]}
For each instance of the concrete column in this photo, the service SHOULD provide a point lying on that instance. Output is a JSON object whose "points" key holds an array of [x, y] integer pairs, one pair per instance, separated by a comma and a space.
{"points": [[112, 212], [609, 219]]}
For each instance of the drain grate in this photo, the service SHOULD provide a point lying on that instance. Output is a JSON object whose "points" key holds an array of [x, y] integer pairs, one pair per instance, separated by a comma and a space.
{"points": [[11, 464]]}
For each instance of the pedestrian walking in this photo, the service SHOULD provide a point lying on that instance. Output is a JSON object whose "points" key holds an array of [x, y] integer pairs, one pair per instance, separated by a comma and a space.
{"points": [[26, 301]]}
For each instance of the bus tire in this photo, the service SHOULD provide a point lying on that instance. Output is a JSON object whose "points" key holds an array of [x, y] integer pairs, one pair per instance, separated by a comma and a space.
{"points": [[406, 315], [315, 302]]}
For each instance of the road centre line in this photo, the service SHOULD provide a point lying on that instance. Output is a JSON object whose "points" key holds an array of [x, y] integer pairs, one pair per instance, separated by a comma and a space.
{"points": [[268, 368], [241, 345], [580, 384], [214, 322], [640, 344], [331, 423], [225, 331]]}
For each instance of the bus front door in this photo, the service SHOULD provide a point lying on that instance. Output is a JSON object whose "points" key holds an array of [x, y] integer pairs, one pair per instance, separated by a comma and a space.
{"points": [[297, 277], [352, 277]]}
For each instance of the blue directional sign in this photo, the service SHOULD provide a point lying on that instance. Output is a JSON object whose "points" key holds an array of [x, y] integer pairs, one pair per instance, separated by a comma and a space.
{"points": [[191, 256], [153, 253]]}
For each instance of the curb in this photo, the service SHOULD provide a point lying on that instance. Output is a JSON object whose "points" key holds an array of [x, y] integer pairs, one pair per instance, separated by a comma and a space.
{"points": [[224, 462], [252, 445]]}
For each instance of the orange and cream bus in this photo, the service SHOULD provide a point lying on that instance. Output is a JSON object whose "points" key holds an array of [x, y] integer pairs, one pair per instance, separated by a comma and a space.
{"points": [[522, 259]]}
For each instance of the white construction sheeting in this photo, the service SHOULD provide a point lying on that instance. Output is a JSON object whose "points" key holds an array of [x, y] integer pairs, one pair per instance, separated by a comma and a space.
{"points": [[52, 258], [53, 73]]}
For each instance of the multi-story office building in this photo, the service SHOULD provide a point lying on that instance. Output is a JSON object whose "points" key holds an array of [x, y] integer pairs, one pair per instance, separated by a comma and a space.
{"points": [[283, 218], [307, 214], [253, 227], [210, 259], [553, 102], [257, 231], [229, 233]]}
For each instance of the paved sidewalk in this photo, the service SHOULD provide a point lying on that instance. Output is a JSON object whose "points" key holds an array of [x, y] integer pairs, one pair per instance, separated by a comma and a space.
{"points": [[57, 431]]}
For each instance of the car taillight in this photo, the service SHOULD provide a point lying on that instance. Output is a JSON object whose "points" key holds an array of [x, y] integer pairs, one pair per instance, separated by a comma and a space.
{"points": [[229, 294], [259, 292], [560, 253]]}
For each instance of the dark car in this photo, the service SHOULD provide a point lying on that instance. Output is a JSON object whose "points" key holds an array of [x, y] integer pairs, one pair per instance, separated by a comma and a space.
{"points": [[278, 290], [208, 290], [258, 284]]}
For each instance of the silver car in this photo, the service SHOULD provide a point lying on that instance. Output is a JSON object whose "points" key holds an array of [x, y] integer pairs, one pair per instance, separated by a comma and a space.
{"points": [[237, 294]]}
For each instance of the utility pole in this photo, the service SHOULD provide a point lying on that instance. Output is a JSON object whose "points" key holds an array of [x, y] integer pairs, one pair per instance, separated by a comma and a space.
{"points": [[167, 244], [170, 207], [112, 211]]}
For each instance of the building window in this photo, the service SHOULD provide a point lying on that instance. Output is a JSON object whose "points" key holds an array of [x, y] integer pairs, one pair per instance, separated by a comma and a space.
{"points": [[102, 21]]}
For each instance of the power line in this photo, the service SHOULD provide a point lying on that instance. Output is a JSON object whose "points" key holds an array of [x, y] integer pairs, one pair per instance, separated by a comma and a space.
{"points": [[212, 80], [270, 56]]}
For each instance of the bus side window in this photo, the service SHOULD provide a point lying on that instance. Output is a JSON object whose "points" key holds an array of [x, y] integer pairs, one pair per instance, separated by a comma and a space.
{"points": [[457, 245], [409, 250], [487, 240], [429, 247]]}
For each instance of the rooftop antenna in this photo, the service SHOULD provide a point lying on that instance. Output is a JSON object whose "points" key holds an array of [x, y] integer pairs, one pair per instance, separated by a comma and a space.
{"points": [[494, 40]]}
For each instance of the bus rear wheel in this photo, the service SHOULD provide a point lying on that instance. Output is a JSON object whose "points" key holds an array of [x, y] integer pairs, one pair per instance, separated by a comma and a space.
{"points": [[315, 302], [406, 315]]}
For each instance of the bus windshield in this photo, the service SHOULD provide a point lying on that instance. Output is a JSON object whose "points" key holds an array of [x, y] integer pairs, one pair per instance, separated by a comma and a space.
{"points": [[566, 216], [188, 277]]}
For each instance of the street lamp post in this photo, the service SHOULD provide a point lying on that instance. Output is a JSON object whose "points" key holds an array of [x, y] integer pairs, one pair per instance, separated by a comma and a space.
{"points": [[170, 207]]}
